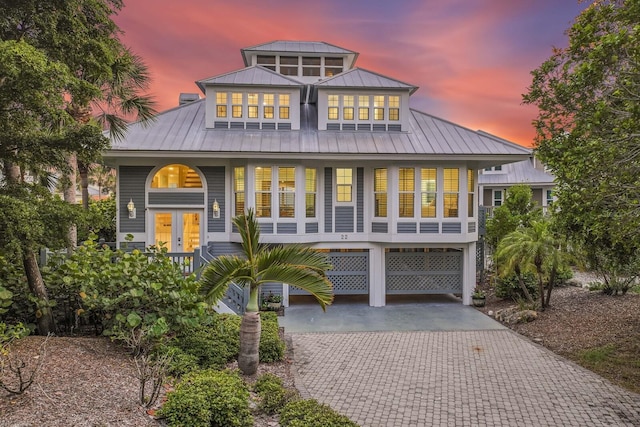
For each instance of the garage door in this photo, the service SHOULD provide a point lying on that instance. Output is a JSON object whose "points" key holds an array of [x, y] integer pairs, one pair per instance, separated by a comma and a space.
{"points": [[350, 273], [424, 272]]}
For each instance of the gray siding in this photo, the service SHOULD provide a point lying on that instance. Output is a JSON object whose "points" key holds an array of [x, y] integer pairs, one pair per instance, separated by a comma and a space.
{"points": [[472, 227], [328, 200], [215, 249], [429, 227], [360, 199], [215, 177], [451, 227], [132, 180], [266, 228], [270, 288], [379, 227], [287, 228], [344, 219], [173, 198], [407, 227], [311, 227]]}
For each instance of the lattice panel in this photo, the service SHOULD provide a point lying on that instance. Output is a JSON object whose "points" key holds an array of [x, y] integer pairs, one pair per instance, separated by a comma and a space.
{"points": [[349, 276], [349, 263], [431, 272], [424, 284]]}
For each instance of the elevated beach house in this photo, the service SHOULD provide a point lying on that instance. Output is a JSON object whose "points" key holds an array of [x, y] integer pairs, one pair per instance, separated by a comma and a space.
{"points": [[327, 154]]}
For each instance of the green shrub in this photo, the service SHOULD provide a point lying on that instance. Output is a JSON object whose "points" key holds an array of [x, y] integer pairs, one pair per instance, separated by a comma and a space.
{"points": [[273, 395], [122, 290], [16, 300], [271, 345], [509, 287], [310, 413], [181, 362], [208, 398]]}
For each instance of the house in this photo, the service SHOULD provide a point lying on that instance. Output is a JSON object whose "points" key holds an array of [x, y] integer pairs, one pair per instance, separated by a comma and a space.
{"points": [[327, 154], [496, 180]]}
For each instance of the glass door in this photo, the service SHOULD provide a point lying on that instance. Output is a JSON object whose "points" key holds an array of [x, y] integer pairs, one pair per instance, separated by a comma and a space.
{"points": [[178, 230]]}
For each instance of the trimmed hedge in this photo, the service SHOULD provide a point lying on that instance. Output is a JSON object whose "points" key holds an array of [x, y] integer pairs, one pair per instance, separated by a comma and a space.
{"points": [[311, 413], [273, 395], [208, 398]]}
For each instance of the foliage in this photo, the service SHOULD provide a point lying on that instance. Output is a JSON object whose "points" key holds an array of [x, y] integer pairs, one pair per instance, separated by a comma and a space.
{"points": [[508, 286], [208, 398], [517, 210], [181, 363], [587, 128], [618, 268], [273, 395], [597, 355], [212, 345], [271, 344], [537, 249], [100, 220], [124, 290], [293, 264], [310, 413]]}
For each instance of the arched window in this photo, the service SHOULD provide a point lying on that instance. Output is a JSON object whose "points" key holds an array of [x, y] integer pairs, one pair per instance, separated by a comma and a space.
{"points": [[176, 176]]}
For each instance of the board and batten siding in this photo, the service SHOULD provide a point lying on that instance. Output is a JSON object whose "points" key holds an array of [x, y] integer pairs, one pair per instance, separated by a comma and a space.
{"points": [[360, 200], [215, 177], [328, 200], [131, 186]]}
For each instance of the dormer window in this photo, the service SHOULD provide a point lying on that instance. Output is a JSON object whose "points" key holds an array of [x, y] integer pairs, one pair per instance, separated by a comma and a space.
{"points": [[311, 66], [333, 103], [363, 107], [394, 108], [378, 107], [268, 102], [332, 66], [267, 62], [289, 65], [347, 107], [283, 109], [236, 105], [252, 101], [221, 104]]}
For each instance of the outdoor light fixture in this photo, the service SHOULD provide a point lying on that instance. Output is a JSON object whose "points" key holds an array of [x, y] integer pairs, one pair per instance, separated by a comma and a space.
{"points": [[216, 209], [132, 209]]}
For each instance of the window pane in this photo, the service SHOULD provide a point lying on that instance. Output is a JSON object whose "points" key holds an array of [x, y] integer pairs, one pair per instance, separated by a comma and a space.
{"points": [[328, 72], [378, 113], [333, 62], [451, 205], [333, 100], [238, 189], [394, 114], [381, 205], [347, 113], [333, 113], [236, 98], [263, 192], [406, 205], [471, 185], [236, 111], [288, 60], [221, 111], [310, 189], [253, 112], [406, 179], [268, 99], [311, 71], [344, 180], [221, 98], [268, 112], [176, 176], [289, 71], [264, 59], [310, 61], [428, 205], [394, 102], [348, 101], [284, 112], [283, 100], [252, 99], [451, 177], [451, 187], [380, 192], [363, 113], [286, 189], [428, 188], [378, 101], [380, 180]]}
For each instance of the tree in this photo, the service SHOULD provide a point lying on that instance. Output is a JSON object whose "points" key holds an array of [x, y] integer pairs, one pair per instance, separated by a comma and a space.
{"points": [[532, 248], [292, 264], [103, 177], [588, 127], [517, 210]]}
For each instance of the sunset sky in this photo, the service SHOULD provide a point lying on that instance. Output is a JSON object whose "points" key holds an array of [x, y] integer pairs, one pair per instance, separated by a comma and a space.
{"points": [[471, 58]]}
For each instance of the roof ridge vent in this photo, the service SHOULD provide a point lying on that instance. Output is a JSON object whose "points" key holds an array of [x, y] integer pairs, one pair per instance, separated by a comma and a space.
{"points": [[186, 98]]}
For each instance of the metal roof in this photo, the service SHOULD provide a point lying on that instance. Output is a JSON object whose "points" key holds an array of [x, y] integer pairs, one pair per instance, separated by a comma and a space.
{"points": [[298, 46], [516, 173], [361, 78], [255, 75], [181, 131]]}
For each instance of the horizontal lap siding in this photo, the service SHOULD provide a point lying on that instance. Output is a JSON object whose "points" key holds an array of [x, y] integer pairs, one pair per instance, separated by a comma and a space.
{"points": [[215, 177], [406, 227], [344, 219], [132, 180]]}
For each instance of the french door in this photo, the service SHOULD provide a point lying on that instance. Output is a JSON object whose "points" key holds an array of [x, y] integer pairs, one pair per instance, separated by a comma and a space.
{"points": [[179, 230]]}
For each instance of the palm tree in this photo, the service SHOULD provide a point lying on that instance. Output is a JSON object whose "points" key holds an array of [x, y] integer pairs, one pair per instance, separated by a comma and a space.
{"points": [[293, 264], [532, 248]]}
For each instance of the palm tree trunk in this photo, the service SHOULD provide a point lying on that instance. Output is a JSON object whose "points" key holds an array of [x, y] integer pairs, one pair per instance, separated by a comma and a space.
{"points": [[541, 290], [248, 357], [69, 193], [523, 287], [44, 317], [552, 280], [83, 171]]}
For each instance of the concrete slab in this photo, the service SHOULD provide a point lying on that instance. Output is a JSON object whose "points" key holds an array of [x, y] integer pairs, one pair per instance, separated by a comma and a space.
{"points": [[410, 313]]}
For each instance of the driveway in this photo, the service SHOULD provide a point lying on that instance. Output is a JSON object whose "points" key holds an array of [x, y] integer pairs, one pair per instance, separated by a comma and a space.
{"points": [[483, 376]]}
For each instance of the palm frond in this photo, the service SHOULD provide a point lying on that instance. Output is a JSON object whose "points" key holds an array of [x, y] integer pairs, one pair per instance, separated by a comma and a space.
{"points": [[249, 230], [309, 280], [295, 255], [220, 272]]}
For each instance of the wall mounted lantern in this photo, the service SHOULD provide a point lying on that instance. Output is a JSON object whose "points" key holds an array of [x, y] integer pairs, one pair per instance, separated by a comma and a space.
{"points": [[216, 209], [132, 209]]}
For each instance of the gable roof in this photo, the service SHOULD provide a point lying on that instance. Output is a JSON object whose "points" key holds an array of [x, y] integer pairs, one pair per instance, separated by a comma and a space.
{"points": [[181, 132], [250, 76], [361, 78], [310, 47]]}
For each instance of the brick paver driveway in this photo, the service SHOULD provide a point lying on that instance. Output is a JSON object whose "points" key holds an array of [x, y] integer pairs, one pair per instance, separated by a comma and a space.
{"points": [[475, 378]]}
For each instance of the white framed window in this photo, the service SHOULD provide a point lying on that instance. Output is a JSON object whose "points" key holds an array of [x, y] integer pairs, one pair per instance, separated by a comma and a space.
{"points": [[239, 190], [221, 104], [451, 192], [406, 192], [333, 103], [236, 105], [348, 102], [549, 194], [428, 192], [311, 66], [263, 191], [289, 65], [344, 185], [497, 197], [471, 188], [268, 105], [267, 61], [283, 106], [380, 188], [378, 107], [363, 107], [332, 66], [394, 108], [311, 192], [252, 107], [286, 192]]}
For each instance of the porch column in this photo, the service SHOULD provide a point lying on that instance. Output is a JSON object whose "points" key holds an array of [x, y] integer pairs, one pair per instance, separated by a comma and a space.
{"points": [[377, 286], [469, 273]]}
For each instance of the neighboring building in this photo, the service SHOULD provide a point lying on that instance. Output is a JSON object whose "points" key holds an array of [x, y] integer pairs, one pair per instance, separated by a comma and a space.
{"points": [[327, 155], [494, 182]]}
